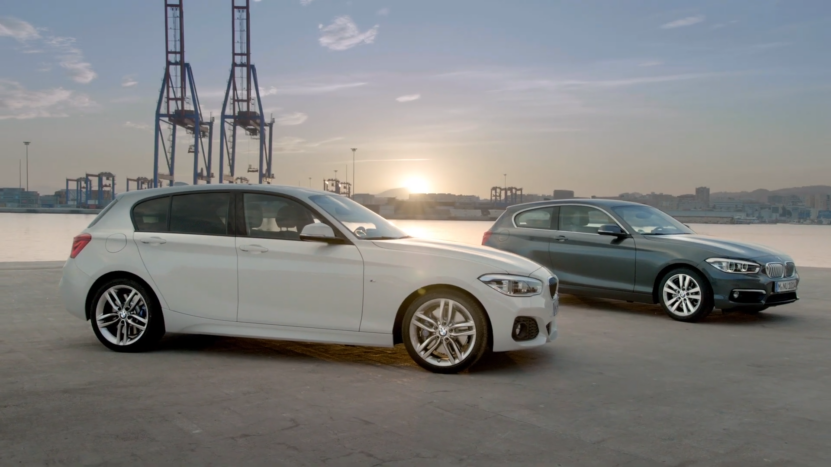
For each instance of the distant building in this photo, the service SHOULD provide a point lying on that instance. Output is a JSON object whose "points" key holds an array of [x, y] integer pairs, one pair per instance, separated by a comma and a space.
{"points": [[688, 202], [820, 202], [702, 195], [18, 198], [364, 198], [563, 194]]}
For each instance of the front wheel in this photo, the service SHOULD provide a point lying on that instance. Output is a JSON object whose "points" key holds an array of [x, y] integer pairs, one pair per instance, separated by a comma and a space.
{"points": [[445, 331], [685, 295], [124, 316]]}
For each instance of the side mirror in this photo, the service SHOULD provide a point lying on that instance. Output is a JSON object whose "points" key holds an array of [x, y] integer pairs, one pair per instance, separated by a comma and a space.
{"points": [[612, 230], [319, 232]]}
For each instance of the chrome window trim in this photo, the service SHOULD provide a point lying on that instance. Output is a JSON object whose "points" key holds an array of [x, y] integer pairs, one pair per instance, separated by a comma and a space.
{"points": [[559, 205]]}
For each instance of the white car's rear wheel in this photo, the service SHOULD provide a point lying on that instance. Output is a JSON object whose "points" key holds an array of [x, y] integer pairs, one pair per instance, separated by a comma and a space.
{"points": [[445, 331], [124, 317]]}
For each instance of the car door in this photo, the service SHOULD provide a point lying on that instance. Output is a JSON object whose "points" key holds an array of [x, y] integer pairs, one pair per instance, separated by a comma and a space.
{"points": [[582, 258], [289, 282], [529, 233], [189, 251]]}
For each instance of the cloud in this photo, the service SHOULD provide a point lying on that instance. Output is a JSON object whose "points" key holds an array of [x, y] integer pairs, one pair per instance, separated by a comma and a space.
{"points": [[343, 34], [69, 57], [308, 89], [137, 126], [294, 145], [383, 12], [17, 102], [409, 98], [17, 29], [723, 25], [306, 2], [545, 84], [292, 119], [683, 22], [651, 63], [128, 81]]}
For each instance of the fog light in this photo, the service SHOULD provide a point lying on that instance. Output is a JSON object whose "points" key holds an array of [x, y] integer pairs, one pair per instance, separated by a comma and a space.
{"points": [[736, 294], [525, 329]]}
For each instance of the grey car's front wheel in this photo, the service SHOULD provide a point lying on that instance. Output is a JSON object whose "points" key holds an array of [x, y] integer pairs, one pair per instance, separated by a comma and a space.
{"points": [[685, 295]]}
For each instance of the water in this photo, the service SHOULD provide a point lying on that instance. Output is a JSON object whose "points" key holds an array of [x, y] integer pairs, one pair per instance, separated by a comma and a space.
{"points": [[48, 237]]}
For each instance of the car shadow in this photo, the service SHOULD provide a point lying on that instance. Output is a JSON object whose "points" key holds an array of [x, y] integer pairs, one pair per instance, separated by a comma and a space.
{"points": [[717, 317], [305, 352]]}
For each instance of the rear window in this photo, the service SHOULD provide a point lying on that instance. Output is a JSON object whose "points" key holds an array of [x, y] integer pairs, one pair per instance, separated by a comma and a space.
{"points": [[535, 218], [151, 215], [103, 213], [200, 213]]}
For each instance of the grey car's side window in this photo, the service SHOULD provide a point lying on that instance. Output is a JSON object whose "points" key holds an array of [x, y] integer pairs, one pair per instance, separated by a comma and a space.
{"points": [[583, 219], [536, 219]]}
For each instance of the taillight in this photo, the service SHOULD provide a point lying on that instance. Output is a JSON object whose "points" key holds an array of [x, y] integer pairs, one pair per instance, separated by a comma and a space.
{"points": [[486, 237], [78, 244]]}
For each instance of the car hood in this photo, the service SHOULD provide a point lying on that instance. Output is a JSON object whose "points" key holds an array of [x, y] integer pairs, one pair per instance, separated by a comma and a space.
{"points": [[727, 248], [495, 259]]}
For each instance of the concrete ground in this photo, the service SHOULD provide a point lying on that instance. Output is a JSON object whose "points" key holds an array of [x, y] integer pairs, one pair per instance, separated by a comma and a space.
{"points": [[624, 385]]}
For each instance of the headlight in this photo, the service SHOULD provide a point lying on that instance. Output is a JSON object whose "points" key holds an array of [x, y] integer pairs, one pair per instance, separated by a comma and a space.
{"points": [[734, 266], [515, 286]]}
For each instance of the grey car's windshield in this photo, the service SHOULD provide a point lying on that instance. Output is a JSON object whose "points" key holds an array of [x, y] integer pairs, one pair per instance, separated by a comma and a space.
{"points": [[647, 220], [362, 222]]}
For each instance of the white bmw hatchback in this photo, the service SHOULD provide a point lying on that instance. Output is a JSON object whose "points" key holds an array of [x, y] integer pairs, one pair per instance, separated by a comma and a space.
{"points": [[296, 264]]}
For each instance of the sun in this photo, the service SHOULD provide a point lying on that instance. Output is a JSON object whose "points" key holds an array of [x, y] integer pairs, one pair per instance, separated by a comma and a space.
{"points": [[417, 185]]}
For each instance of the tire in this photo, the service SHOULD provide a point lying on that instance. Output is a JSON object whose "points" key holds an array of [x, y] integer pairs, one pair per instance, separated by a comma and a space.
{"points": [[441, 347], [117, 322], [685, 295]]}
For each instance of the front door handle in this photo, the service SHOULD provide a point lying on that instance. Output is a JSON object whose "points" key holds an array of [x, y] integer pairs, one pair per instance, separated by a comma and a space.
{"points": [[560, 238], [255, 249], [153, 241]]}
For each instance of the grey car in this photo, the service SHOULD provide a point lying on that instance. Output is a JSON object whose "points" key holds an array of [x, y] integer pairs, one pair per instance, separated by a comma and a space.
{"points": [[629, 251]]}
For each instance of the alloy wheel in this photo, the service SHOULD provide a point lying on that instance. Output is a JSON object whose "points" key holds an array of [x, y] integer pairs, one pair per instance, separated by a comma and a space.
{"points": [[682, 295], [443, 332], [121, 315]]}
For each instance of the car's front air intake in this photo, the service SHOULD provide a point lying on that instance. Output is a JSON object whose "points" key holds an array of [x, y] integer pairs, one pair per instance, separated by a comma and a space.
{"points": [[525, 329]]}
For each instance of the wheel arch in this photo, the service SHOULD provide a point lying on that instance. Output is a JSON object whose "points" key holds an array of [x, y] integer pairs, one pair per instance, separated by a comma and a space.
{"points": [[402, 310], [119, 275], [671, 267]]}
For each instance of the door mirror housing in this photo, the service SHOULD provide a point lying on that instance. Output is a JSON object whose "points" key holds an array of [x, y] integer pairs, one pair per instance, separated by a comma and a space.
{"points": [[612, 230], [319, 232]]}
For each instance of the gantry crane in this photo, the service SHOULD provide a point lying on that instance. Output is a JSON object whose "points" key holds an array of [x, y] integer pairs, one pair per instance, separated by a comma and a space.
{"points": [[175, 109], [239, 108], [105, 180], [141, 183]]}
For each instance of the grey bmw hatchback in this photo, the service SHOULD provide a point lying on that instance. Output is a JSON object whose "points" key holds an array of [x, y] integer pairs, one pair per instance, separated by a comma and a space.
{"points": [[629, 251]]}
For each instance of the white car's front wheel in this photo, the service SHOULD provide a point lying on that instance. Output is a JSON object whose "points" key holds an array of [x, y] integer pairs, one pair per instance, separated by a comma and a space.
{"points": [[445, 331]]}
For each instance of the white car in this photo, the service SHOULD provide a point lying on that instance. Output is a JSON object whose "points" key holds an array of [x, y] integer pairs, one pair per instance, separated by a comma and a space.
{"points": [[297, 264]]}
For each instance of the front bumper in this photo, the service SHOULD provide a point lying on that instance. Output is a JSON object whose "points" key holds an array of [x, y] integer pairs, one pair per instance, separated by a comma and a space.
{"points": [[737, 291]]}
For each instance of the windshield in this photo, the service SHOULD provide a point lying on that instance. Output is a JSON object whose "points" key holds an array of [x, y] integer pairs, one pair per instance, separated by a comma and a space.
{"points": [[362, 222], [647, 220]]}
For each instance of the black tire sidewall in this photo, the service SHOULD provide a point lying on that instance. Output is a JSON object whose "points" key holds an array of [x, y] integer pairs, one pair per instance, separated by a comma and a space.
{"points": [[155, 322], [706, 306], [476, 312]]}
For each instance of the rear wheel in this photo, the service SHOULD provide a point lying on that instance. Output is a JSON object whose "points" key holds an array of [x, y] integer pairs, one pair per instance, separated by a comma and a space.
{"points": [[124, 316], [445, 331], [685, 295]]}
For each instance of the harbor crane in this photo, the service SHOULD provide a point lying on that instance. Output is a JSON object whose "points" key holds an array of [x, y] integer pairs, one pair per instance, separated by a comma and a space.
{"points": [[242, 109], [175, 109]]}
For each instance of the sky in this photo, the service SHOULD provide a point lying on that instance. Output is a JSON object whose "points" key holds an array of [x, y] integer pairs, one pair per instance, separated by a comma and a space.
{"points": [[600, 97]]}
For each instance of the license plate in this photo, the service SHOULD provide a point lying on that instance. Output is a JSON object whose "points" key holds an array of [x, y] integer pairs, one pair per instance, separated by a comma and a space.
{"points": [[785, 286]]}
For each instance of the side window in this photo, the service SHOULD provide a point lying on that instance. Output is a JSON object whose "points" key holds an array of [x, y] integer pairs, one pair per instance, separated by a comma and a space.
{"points": [[268, 216], [585, 219], [535, 218], [200, 213], [151, 215]]}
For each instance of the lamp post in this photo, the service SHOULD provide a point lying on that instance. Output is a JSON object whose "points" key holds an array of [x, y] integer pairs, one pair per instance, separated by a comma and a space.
{"points": [[505, 188], [310, 182], [27, 164], [353, 171]]}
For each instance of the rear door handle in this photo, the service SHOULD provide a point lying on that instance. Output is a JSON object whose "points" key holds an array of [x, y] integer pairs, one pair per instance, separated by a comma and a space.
{"points": [[153, 241], [560, 238], [256, 249]]}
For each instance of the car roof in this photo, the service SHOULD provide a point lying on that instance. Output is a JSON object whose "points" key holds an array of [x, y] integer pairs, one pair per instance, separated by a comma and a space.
{"points": [[295, 191], [603, 203]]}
